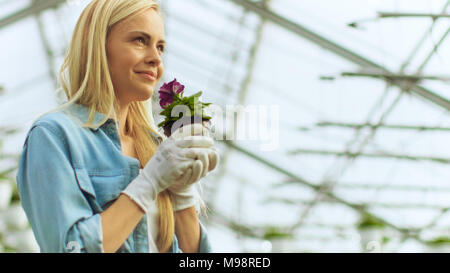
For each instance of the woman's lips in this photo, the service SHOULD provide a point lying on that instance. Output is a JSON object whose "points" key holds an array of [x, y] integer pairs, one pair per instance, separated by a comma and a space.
{"points": [[147, 76]]}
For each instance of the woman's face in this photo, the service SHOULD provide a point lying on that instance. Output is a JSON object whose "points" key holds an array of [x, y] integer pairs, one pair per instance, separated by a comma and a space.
{"points": [[134, 48]]}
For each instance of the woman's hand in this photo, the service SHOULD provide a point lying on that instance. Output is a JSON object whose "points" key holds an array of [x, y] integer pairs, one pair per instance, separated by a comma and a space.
{"points": [[177, 162], [185, 195]]}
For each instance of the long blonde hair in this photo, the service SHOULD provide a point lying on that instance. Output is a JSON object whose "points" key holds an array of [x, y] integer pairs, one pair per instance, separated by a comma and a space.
{"points": [[89, 83]]}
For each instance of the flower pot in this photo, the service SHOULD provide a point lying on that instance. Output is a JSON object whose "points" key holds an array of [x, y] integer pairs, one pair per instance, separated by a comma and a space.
{"points": [[169, 127]]}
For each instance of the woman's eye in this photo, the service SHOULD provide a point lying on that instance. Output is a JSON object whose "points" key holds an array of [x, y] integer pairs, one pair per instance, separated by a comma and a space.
{"points": [[140, 40], [161, 48]]}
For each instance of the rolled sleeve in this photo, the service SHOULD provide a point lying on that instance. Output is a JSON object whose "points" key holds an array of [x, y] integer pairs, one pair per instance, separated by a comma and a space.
{"points": [[59, 213], [90, 234]]}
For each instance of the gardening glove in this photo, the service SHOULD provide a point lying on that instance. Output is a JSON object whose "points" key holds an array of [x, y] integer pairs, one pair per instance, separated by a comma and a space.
{"points": [[186, 195], [172, 164]]}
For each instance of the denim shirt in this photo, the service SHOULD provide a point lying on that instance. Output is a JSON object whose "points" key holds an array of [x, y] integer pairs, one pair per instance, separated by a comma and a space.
{"points": [[68, 175]]}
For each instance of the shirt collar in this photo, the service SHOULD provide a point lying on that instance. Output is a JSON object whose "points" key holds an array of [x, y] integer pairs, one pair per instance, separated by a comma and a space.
{"points": [[81, 112]]}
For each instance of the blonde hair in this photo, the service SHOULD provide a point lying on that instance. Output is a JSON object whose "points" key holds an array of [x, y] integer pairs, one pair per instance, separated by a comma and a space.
{"points": [[89, 83]]}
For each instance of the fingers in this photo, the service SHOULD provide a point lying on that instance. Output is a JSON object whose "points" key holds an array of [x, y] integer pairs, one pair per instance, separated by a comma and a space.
{"points": [[199, 162], [208, 156], [197, 169], [186, 176], [213, 159], [182, 168], [201, 154], [204, 158], [193, 145]]}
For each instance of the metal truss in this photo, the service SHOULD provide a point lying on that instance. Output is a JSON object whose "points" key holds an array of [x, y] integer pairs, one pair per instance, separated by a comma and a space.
{"points": [[371, 155], [36, 7], [318, 188], [372, 126], [339, 50], [242, 96], [407, 83], [434, 16], [353, 57], [397, 77]]}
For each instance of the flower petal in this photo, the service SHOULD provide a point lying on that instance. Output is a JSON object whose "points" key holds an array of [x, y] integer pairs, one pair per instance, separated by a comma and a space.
{"points": [[165, 88], [165, 94], [165, 103], [168, 91], [177, 87]]}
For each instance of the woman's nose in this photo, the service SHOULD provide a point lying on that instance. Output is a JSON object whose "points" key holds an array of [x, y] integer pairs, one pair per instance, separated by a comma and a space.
{"points": [[153, 57]]}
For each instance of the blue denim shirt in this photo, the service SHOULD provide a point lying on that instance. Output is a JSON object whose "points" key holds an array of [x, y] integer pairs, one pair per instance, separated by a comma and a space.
{"points": [[68, 175]]}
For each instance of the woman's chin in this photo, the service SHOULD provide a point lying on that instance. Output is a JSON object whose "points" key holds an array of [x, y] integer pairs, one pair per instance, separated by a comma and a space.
{"points": [[145, 95]]}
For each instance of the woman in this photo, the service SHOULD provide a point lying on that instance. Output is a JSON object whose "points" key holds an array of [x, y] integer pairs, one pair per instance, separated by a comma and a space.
{"points": [[94, 176]]}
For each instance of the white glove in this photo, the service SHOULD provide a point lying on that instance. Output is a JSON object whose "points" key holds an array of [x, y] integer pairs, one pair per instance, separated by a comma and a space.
{"points": [[172, 164], [185, 195]]}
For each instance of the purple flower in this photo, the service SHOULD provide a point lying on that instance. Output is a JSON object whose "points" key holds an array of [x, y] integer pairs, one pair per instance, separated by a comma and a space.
{"points": [[168, 91]]}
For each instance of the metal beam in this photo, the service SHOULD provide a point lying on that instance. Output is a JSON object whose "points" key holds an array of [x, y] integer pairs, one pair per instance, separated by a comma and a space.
{"points": [[339, 50], [296, 202], [34, 8], [384, 14], [420, 43], [392, 76], [372, 155], [404, 187], [49, 53], [374, 126], [318, 188]]}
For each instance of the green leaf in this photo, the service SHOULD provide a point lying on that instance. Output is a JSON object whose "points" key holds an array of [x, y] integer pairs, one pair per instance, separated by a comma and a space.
{"points": [[370, 222], [276, 233], [439, 241], [198, 94], [193, 102], [166, 112], [178, 97]]}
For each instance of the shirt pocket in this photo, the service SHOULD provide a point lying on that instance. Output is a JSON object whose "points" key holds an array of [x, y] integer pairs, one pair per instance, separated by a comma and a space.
{"points": [[84, 183], [108, 187]]}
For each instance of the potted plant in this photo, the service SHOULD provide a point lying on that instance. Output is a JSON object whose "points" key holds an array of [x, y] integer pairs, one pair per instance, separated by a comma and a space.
{"points": [[179, 110]]}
